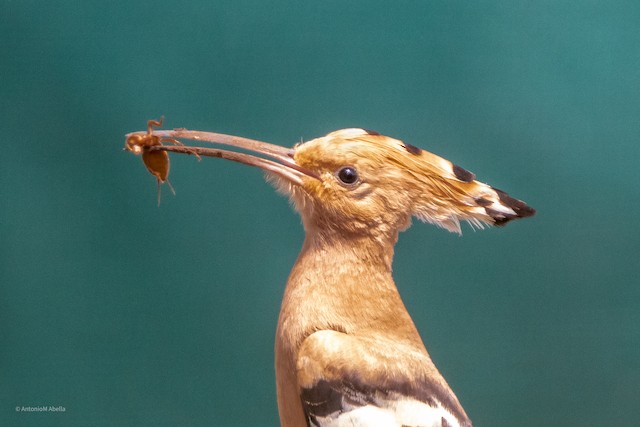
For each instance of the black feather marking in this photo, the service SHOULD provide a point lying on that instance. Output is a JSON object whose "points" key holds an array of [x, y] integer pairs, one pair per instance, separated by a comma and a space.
{"points": [[481, 201], [500, 218], [412, 149], [320, 401], [520, 208], [462, 174], [371, 132]]}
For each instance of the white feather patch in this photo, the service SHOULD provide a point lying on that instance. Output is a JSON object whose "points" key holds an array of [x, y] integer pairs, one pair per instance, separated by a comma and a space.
{"points": [[398, 413]]}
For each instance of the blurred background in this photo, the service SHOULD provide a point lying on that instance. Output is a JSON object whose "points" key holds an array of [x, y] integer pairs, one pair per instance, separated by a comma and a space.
{"points": [[126, 313]]}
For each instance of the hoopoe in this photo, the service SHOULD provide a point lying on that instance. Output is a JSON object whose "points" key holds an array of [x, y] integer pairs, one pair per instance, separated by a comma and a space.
{"points": [[347, 353]]}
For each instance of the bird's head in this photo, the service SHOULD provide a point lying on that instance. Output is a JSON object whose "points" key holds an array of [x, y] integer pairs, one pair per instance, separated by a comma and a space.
{"points": [[364, 182]]}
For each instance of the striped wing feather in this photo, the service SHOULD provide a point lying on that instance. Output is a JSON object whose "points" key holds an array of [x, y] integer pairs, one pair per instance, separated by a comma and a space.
{"points": [[372, 381]]}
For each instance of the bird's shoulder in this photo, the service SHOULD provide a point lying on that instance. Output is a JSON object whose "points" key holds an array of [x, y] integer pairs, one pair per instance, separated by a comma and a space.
{"points": [[372, 381]]}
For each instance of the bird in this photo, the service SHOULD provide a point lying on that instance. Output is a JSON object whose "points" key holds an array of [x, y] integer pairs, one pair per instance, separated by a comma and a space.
{"points": [[347, 352]]}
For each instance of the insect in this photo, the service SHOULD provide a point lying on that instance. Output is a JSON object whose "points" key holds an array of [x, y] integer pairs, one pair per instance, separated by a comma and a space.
{"points": [[157, 162]]}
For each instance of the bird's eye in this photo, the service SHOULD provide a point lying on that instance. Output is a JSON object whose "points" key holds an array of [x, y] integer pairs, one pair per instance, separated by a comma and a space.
{"points": [[348, 175]]}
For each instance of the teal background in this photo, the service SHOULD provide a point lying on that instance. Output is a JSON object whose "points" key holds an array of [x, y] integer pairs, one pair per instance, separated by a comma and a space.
{"points": [[129, 314]]}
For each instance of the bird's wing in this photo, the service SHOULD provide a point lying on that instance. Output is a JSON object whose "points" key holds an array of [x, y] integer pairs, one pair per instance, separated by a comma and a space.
{"points": [[346, 380]]}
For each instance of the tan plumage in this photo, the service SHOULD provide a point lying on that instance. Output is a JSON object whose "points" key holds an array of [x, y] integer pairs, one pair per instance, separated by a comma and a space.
{"points": [[347, 351]]}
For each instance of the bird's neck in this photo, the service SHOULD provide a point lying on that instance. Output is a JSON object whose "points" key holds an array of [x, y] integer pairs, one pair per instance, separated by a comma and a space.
{"points": [[355, 251], [344, 283]]}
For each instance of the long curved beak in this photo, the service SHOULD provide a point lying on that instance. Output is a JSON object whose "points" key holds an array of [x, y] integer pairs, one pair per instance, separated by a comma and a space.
{"points": [[282, 163]]}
